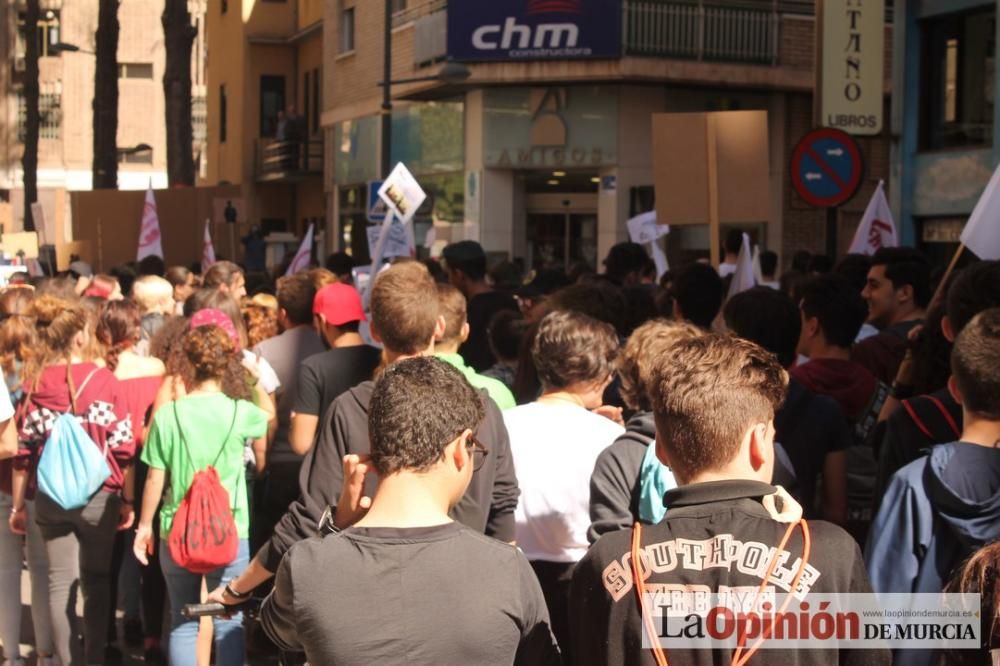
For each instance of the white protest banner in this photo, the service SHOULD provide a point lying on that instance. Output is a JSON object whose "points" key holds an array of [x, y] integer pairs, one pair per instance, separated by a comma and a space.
{"points": [[301, 260], [150, 242], [743, 275], [982, 231], [643, 229], [401, 193], [397, 243]]}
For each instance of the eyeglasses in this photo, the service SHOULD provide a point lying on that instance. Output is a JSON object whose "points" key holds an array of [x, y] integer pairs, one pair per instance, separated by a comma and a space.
{"points": [[477, 451]]}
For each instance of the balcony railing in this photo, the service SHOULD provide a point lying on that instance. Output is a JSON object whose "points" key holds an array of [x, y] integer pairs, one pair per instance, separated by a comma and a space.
{"points": [[288, 161], [727, 32]]}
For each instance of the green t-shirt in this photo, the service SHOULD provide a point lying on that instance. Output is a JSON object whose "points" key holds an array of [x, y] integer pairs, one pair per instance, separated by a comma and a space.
{"points": [[494, 388], [205, 419]]}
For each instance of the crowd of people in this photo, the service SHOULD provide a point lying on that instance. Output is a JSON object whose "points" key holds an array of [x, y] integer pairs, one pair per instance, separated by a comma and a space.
{"points": [[484, 467]]}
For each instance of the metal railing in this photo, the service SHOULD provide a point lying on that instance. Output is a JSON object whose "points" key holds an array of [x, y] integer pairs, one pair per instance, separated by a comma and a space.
{"points": [[418, 9], [732, 32], [288, 160]]}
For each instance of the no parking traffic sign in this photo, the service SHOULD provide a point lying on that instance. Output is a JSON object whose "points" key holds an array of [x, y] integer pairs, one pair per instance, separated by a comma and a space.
{"points": [[826, 167]]}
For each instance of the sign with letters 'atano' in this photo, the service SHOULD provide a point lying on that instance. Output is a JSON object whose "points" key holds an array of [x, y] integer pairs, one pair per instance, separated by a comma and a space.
{"points": [[851, 36]]}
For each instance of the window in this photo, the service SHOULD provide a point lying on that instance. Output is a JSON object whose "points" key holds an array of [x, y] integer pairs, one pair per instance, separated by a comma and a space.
{"points": [[199, 118], [958, 72], [135, 70], [222, 113], [141, 157], [272, 104], [48, 33], [346, 30], [50, 114]]}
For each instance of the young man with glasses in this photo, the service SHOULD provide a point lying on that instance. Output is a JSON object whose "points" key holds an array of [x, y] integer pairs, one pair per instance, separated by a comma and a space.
{"points": [[406, 323], [402, 581]]}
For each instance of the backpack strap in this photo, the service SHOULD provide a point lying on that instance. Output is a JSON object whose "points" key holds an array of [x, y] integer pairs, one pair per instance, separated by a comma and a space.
{"points": [[224, 442], [74, 396], [946, 414]]}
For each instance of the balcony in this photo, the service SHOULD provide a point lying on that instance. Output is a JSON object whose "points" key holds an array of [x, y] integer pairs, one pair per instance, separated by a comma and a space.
{"points": [[723, 32], [288, 161]]}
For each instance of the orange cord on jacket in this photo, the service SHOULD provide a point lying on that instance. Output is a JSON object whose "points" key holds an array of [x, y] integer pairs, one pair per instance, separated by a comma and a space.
{"points": [[739, 658]]}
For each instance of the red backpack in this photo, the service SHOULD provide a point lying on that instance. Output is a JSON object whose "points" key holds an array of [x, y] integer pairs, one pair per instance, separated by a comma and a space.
{"points": [[203, 536]]}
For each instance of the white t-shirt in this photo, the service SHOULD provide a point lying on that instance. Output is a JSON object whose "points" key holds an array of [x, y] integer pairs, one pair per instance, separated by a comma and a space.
{"points": [[725, 268], [555, 447], [6, 409]]}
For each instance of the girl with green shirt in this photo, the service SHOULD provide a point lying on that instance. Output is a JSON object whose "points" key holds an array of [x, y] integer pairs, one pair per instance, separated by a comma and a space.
{"points": [[205, 427]]}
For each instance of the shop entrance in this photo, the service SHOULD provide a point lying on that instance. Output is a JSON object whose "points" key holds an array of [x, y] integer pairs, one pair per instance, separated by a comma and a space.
{"points": [[561, 220]]}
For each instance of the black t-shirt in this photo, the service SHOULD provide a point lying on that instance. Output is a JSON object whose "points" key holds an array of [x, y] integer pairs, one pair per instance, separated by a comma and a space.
{"points": [[481, 308], [325, 376], [422, 595], [809, 426]]}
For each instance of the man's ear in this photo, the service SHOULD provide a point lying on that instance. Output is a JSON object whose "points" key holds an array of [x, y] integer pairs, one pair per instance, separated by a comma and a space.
{"points": [[758, 448], [953, 389], [464, 334], [810, 326], [439, 327], [678, 314], [947, 329], [374, 332], [904, 294], [661, 451], [458, 452]]}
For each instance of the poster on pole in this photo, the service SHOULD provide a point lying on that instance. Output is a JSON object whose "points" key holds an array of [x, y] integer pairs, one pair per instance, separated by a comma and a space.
{"points": [[402, 193]]}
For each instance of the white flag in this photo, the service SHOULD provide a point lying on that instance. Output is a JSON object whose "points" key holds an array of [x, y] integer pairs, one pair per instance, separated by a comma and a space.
{"points": [[644, 229], [982, 231], [743, 275], [302, 257], [877, 229], [207, 249], [150, 242]]}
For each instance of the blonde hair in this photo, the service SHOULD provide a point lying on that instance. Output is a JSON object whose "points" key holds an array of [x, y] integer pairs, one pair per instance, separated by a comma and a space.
{"points": [[647, 342], [153, 294], [268, 301]]}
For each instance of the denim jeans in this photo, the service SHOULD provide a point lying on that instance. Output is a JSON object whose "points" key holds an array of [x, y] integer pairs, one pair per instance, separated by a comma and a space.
{"points": [[12, 548], [79, 543], [184, 587]]}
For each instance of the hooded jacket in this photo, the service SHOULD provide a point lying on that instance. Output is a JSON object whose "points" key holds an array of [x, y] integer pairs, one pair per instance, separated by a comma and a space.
{"points": [[705, 522], [847, 382], [926, 525], [488, 505], [100, 408]]}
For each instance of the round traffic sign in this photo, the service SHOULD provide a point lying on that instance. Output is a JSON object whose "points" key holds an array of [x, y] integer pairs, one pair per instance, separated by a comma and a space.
{"points": [[826, 167]]}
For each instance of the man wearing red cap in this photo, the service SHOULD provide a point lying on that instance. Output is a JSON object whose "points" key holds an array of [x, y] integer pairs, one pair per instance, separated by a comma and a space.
{"points": [[337, 313]]}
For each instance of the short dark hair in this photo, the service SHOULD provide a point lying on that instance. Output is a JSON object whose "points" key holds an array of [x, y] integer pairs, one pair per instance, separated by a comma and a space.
{"points": [[906, 266], [419, 406], [221, 273], [839, 308], [768, 262], [705, 392], [571, 348], [625, 258], [295, 296], [697, 289], [600, 300], [974, 362], [467, 257], [403, 312], [340, 263], [768, 318], [506, 332], [734, 241], [974, 289], [800, 261], [820, 264], [152, 265], [854, 268]]}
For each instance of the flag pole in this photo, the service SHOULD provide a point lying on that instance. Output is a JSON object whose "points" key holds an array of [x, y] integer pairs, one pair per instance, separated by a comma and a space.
{"points": [[939, 292]]}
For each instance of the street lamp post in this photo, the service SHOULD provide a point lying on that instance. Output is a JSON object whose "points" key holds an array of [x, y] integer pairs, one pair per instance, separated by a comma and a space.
{"points": [[452, 72]]}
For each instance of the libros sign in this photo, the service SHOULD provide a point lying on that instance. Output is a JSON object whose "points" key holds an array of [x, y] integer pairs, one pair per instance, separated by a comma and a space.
{"points": [[852, 47], [533, 29]]}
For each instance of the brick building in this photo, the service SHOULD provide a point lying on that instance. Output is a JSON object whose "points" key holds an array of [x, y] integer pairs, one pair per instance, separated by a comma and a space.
{"points": [[67, 91], [543, 154]]}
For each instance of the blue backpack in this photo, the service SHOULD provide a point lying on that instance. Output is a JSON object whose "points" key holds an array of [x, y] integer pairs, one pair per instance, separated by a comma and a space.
{"points": [[72, 468]]}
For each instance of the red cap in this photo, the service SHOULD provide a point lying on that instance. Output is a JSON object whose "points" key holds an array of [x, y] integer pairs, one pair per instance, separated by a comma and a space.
{"points": [[339, 303]]}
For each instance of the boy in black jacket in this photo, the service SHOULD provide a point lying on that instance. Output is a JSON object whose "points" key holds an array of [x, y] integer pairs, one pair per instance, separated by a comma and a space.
{"points": [[713, 401], [405, 320]]}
